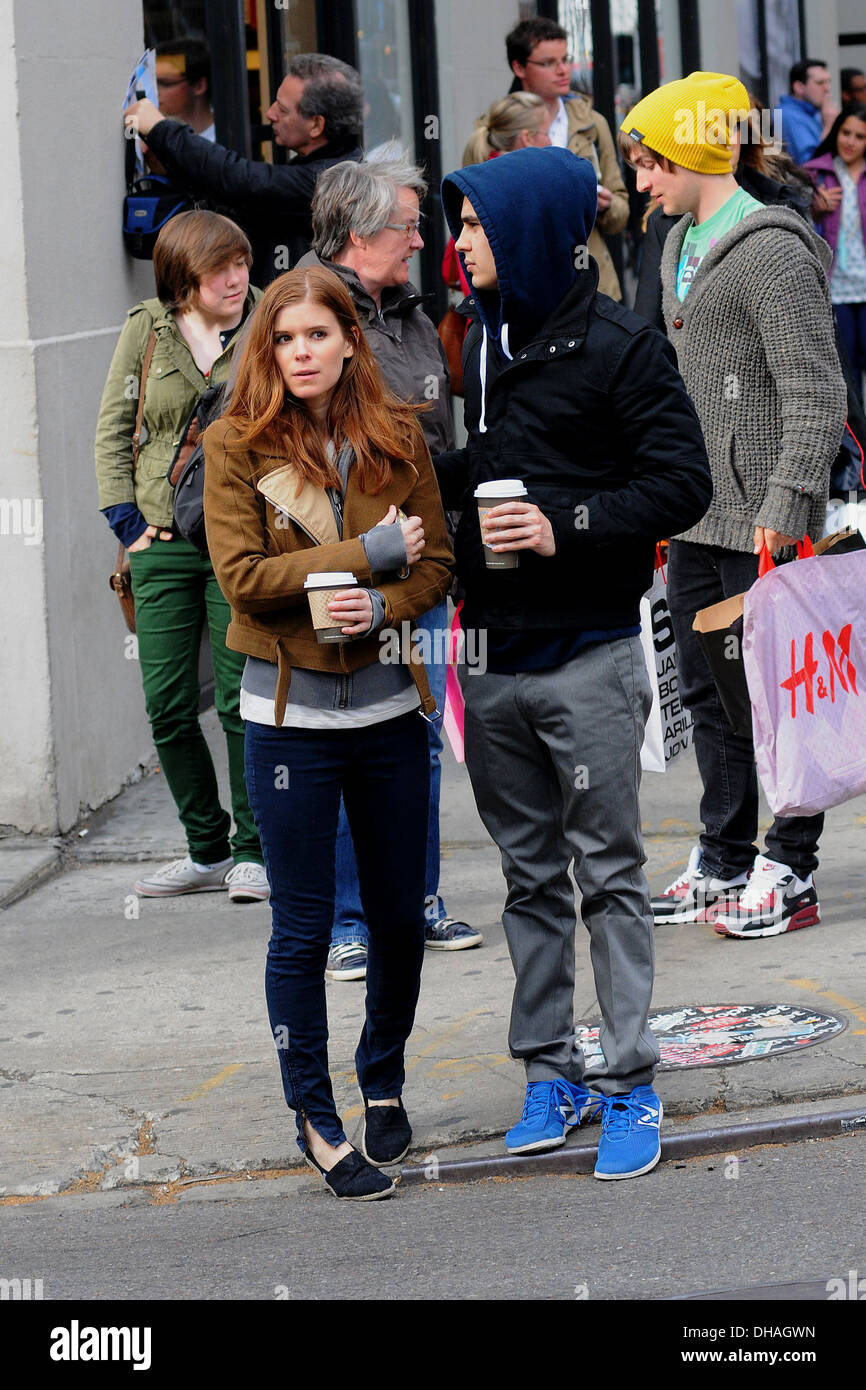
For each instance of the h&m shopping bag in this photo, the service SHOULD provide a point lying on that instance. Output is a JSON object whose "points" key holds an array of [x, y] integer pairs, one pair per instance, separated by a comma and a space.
{"points": [[804, 652], [720, 633], [669, 726]]}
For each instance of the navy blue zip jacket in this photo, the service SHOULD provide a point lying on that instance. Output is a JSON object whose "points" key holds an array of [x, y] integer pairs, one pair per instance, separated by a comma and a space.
{"points": [[575, 395]]}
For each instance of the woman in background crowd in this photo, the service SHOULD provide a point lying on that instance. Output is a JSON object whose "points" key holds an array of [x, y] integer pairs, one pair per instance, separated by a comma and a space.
{"points": [[838, 168], [516, 122]]}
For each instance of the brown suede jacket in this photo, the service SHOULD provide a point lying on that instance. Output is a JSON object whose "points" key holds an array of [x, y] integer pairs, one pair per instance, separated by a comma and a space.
{"points": [[267, 530]]}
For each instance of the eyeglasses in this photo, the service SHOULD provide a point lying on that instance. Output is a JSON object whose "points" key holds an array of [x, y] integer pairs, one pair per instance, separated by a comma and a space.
{"points": [[407, 228], [549, 63]]}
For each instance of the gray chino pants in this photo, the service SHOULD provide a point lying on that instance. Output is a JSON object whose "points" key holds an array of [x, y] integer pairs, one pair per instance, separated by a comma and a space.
{"points": [[554, 759]]}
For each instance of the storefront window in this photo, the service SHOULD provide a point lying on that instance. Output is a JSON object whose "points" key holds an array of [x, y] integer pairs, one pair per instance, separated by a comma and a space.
{"points": [[385, 67], [629, 80], [275, 47], [180, 32], [769, 45], [575, 20], [297, 28]]}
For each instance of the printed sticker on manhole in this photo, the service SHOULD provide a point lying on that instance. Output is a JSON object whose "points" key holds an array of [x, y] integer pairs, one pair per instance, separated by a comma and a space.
{"points": [[716, 1035]]}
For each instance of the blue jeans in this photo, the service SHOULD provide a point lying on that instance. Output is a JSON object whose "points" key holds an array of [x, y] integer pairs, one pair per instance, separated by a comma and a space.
{"points": [[349, 922], [700, 575], [851, 319], [295, 779]]}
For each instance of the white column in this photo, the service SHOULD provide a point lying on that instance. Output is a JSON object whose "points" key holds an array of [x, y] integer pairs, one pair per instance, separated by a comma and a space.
{"points": [[72, 722]]}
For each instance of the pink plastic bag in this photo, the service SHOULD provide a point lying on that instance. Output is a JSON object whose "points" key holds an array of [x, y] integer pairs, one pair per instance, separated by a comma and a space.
{"points": [[452, 720], [804, 651]]}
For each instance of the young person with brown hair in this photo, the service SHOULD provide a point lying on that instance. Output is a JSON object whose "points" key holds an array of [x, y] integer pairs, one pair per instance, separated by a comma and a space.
{"points": [[186, 334], [747, 308], [308, 472]]}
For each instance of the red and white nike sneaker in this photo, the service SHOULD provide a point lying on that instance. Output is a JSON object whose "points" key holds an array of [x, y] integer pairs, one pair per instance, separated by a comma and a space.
{"points": [[774, 900], [695, 895]]}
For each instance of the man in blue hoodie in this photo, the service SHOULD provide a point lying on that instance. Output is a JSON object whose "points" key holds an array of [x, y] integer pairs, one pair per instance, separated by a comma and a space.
{"points": [[582, 401], [807, 112]]}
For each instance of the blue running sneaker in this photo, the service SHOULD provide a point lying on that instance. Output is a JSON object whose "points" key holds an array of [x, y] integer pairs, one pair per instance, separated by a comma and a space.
{"points": [[630, 1141], [550, 1110]]}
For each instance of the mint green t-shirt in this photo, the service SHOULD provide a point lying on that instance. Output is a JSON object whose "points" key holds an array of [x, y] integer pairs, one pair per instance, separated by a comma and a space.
{"points": [[701, 237]]}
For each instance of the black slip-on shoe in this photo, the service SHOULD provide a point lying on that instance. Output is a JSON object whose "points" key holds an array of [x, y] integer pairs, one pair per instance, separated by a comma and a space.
{"points": [[387, 1134], [353, 1179]]}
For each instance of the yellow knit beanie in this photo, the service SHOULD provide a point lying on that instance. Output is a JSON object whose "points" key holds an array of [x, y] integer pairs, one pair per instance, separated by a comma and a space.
{"points": [[690, 121]]}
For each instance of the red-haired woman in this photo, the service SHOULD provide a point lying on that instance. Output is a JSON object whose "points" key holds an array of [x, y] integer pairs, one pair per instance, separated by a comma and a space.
{"points": [[310, 471]]}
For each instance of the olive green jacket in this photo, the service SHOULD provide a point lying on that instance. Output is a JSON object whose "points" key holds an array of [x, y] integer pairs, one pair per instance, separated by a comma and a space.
{"points": [[589, 136], [174, 384]]}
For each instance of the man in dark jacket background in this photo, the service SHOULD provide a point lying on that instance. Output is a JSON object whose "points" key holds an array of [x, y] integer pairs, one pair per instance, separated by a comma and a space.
{"points": [[582, 401], [317, 112]]}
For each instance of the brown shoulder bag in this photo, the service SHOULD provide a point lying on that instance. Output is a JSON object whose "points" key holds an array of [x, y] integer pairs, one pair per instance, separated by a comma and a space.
{"points": [[119, 579]]}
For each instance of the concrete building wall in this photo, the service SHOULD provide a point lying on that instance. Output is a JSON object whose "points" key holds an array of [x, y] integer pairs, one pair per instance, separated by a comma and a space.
{"points": [[25, 724], [72, 722]]}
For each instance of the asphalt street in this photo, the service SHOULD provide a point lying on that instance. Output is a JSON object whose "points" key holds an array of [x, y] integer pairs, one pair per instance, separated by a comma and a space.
{"points": [[775, 1216], [147, 1152]]}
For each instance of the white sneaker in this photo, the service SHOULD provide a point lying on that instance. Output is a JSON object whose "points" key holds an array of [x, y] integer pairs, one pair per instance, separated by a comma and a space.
{"points": [[182, 876], [693, 896], [775, 901], [248, 883]]}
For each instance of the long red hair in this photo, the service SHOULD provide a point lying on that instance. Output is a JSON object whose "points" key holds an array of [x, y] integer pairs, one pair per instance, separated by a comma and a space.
{"points": [[363, 409]]}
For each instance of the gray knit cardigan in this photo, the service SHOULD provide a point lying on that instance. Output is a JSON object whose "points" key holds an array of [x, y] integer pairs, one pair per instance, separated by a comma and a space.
{"points": [[756, 349]]}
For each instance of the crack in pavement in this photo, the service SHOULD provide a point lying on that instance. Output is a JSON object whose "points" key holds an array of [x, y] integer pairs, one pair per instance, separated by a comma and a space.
{"points": [[43, 1081], [142, 1071]]}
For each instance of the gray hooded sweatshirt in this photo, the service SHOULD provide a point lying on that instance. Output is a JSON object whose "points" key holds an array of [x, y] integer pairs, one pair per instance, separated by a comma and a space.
{"points": [[755, 345]]}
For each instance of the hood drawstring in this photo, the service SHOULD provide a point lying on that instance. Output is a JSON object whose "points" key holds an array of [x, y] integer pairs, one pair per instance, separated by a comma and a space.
{"points": [[482, 371]]}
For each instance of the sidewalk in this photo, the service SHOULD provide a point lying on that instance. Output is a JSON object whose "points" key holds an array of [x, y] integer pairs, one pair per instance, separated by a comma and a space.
{"points": [[135, 1046]]}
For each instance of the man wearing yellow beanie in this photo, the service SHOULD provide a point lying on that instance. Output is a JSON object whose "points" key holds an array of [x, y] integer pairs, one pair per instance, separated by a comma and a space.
{"points": [[747, 308], [686, 130]]}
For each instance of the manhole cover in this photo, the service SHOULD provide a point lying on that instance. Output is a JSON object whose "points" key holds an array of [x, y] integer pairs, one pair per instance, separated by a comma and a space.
{"points": [[715, 1035]]}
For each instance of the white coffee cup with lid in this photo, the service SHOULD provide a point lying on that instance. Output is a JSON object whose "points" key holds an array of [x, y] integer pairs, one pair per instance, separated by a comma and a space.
{"points": [[320, 589], [492, 494]]}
